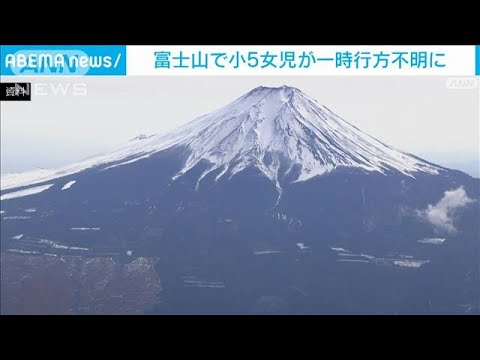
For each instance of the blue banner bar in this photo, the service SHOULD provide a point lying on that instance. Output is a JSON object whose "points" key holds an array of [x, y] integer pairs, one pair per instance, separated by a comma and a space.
{"points": [[63, 60], [477, 60]]}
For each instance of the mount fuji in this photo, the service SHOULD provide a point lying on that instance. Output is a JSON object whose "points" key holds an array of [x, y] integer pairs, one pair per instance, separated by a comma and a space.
{"points": [[271, 203], [281, 132]]}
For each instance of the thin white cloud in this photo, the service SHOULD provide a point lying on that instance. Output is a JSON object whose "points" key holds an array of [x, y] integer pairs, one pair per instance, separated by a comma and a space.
{"points": [[441, 214]]}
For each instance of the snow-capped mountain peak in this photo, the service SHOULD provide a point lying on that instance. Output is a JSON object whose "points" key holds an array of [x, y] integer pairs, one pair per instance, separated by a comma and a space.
{"points": [[280, 131]]}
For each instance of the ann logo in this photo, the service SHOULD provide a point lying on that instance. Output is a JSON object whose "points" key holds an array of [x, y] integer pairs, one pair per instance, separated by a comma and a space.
{"points": [[462, 83]]}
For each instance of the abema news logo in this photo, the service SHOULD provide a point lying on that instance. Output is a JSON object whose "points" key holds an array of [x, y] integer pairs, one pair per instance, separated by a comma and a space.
{"points": [[63, 60]]}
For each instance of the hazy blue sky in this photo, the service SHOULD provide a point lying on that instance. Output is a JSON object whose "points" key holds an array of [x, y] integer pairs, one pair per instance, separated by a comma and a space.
{"points": [[419, 115]]}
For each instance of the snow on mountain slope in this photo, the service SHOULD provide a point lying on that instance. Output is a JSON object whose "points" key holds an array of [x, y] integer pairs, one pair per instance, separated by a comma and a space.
{"points": [[275, 130]]}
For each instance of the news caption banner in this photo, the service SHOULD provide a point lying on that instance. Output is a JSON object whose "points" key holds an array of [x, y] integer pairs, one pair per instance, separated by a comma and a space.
{"points": [[54, 62], [462, 63]]}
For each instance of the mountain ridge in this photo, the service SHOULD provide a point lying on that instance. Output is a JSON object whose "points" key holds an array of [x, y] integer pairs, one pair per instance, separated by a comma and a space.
{"points": [[278, 130]]}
